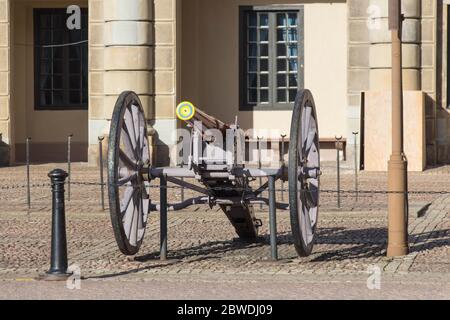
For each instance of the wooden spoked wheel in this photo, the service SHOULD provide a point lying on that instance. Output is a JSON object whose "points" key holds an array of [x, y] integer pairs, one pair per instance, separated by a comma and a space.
{"points": [[128, 155], [304, 173]]}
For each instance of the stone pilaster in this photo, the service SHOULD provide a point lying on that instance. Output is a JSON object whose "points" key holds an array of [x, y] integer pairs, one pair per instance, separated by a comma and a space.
{"points": [[5, 91], [380, 47], [429, 73], [97, 116], [358, 65], [121, 52], [164, 120], [441, 80]]}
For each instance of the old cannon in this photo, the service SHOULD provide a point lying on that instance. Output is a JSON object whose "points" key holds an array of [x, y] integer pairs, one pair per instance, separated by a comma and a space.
{"points": [[224, 178]]}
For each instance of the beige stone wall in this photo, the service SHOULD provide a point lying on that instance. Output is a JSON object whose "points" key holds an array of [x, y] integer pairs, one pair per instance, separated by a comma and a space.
{"points": [[442, 110], [48, 129], [5, 119], [210, 63], [370, 61], [378, 131]]}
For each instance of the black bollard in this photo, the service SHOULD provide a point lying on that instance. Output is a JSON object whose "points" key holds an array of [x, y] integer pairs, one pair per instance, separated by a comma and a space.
{"points": [[58, 262]]}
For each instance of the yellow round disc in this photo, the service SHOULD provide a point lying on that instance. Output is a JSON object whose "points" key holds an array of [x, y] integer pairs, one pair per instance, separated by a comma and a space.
{"points": [[185, 111]]}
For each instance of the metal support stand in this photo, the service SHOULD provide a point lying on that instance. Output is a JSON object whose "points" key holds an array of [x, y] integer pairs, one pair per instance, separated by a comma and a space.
{"points": [[28, 173], [69, 164], [356, 167], [163, 218], [102, 187], [273, 219], [58, 262]]}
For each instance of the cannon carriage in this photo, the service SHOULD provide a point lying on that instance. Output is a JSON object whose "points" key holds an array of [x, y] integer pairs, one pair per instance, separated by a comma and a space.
{"points": [[215, 157]]}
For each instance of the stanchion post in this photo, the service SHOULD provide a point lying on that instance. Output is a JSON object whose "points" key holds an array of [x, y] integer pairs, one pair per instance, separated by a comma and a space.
{"points": [[273, 219], [69, 164], [283, 164], [355, 134], [339, 146], [259, 139], [100, 157], [163, 218], [27, 151], [58, 260]]}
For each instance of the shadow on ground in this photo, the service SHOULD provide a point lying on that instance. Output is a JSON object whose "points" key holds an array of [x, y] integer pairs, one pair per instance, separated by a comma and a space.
{"points": [[357, 245]]}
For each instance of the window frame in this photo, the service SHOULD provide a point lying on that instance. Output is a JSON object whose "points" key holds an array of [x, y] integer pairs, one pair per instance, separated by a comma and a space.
{"points": [[243, 41], [37, 57]]}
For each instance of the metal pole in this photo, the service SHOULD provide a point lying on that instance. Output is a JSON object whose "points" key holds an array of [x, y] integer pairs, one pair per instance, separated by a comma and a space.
{"points": [[283, 164], [273, 219], [259, 163], [28, 172], [100, 154], [181, 163], [338, 170], [69, 169], [58, 262], [182, 179], [163, 218], [356, 166], [397, 165]]}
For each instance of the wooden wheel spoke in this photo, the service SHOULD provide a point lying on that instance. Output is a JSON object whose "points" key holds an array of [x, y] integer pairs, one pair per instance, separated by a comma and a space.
{"points": [[306, 123], [138, 213], [126, 160], [131, 140], [129, 127], [127, 143], [310, 142], [129, 216], [136, 121], [313, 192], [124, 181], [128, 196], [308, 231]]}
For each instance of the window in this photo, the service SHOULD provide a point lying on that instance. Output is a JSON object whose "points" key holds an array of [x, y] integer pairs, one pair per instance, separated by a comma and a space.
{"points": [[271, 57], [61, 61]]}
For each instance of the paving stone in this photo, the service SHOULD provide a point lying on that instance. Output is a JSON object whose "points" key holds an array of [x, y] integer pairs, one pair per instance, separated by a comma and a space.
{"points": [[349, 240]]}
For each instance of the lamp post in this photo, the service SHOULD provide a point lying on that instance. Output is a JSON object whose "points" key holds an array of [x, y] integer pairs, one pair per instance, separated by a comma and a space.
{"points": [[397, 166]]}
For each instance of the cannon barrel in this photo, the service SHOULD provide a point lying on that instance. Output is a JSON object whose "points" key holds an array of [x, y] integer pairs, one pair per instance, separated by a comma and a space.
{"points": [[192, 116]]}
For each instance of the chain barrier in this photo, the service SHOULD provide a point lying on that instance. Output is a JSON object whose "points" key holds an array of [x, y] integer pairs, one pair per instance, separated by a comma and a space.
{"points": [[257, 191], [230, 189], [24, 186]]}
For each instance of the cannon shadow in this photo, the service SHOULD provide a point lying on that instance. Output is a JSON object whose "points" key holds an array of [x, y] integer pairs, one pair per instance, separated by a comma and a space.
{"points": [[332, 244]]}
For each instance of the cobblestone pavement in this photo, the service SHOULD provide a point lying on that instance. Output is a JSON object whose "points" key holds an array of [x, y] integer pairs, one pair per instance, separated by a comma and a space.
{"points": [[202, 242]]}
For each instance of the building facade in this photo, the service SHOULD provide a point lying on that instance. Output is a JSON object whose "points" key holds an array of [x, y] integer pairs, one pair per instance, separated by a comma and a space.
{"points": [[244, 58]]}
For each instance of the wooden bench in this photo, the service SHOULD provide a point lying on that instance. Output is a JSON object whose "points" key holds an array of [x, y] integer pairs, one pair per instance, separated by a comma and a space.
{"points": [[325, 143], [330, 143]]}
